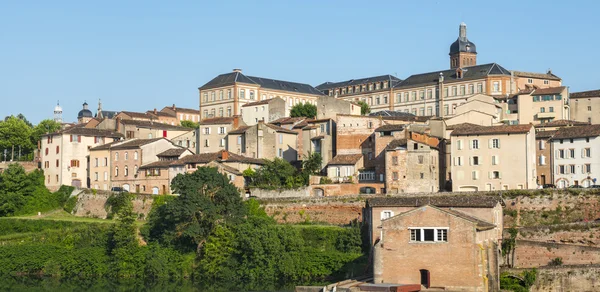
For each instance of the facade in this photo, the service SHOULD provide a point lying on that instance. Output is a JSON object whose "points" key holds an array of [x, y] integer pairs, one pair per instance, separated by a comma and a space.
{"points": [[318, 136], [65, 155], [141, 129], [376, 91], [154, 178], [543, 105], [528, 81], [344, 168], [212, 135], [266, 110], [544, 158], [263, 141], [187, 140], [181, 114], [576, 151], [585, 106], [411, 167], [224, 95], [493, 158], [329, 107]]}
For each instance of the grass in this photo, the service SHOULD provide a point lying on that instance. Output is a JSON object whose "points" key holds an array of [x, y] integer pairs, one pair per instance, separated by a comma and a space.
{"points": [[61, 215]]}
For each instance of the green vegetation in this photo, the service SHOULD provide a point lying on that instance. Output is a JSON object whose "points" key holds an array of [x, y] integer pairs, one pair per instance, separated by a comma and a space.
{"points": [[280, 174], [19, 133], [365, 109], [556, 262], [509, 245], [307, 110], [518, 283], [189, 124]]}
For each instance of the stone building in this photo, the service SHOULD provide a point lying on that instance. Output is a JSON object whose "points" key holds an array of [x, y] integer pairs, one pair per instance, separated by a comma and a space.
{"points": [[376, 91], [141, 129], [212, 135], [329, 107], [65, 155], [449, 242], [154, 178], [224, 95], [181, 114], [318, 136], [85, 114], [187, 140], [528, 81], [263, 141], [543, 105], [576, 151], [544, 158], [493, 158], [585, 106], [266, 110], [411, 167]]}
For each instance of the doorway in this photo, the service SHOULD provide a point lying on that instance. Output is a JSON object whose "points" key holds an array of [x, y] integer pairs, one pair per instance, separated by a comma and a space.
{"points": [[425, 278], [543, 179]]}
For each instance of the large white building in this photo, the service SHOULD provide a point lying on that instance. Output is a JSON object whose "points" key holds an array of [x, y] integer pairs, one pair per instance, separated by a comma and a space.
{"points": [[576, 152]]}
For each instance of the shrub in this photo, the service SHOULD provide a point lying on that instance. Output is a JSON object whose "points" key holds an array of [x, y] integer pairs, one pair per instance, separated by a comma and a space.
{"points": [[325, 180]]}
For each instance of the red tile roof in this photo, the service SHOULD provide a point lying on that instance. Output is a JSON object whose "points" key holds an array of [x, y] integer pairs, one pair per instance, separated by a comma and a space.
{"points": [[345, 159], [471, 129], [217, 121], [583, 94], [577, 132], [547, 91]]}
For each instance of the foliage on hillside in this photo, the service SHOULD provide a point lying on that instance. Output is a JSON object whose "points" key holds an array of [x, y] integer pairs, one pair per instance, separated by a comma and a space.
{"points": [[307, 110], [17, 131], [280, 174]]}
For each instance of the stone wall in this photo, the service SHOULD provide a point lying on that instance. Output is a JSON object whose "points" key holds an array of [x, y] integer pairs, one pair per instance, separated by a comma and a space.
{"points": [[298, 193], [534, 254], [565, 278], [331, 210], [93, 205]]}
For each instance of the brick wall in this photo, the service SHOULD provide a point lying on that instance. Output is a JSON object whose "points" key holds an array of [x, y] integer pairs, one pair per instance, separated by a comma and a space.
{"points": [[533, 254], [90, 205], [333, 210], [565, 278]]}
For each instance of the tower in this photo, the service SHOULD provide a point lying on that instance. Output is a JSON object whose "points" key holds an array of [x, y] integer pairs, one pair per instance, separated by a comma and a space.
{"points": [[84, 115], [463, 53], [58, 113], [99, 113]]}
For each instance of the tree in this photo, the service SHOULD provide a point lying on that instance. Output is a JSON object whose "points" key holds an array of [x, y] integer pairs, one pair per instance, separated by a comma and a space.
{"points": [[277, 173], [44, 127], [189, 124], [365, 109], [15, 132], [307, 110], [206, 200], [312, 163]]}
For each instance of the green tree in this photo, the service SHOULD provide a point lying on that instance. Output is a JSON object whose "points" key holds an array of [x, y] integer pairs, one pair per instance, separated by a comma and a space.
{"points": [[307, 110], [277, 173], [44, 127], [189, 124], [312, 163], [206, 200], [365, 109], [15, 132]]}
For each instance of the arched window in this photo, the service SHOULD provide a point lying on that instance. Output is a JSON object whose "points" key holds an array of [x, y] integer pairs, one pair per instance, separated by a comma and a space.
{"points": [[117, 156], [135, 155], [116, 171], [126, 170], [126, 155]]}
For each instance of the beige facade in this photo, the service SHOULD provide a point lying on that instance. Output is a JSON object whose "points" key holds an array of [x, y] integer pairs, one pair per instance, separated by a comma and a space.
{"points": [[318, 136], [585, 106], [527, 81], [493, 158], [187, 140], [225, 94], [181, 114], [411, 167], [543, 105], [65, 155], [267, 110], [544, 158], [263, 141], [141, 129], [213, 133], [329, 107], [375, 91]]}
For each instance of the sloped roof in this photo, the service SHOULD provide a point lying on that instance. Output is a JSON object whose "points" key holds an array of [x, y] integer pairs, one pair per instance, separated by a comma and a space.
{"points": [[577, 132], [390, 128], [173, 152], [157, 164], [136, 143], [345, 159], [280, 129], [352, 82], [264, 101], [389, 113], [75, 130], [397, 143], [464, 201], [471, 129], [240, 130], [154, 125], [584, 94], [139, 115], [551, 90], [548, 76], [561, 123], [545, 134], [216, 156], [288, 120], [237, 77], [480, 225], [473, 72], [107, 145]]}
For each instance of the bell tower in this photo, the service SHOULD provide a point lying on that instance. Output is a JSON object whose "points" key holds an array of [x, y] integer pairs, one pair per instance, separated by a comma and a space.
{"points": [[463, 53]]}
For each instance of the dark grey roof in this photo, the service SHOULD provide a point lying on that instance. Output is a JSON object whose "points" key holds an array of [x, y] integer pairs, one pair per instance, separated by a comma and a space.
{"points": [[438, 201], [85, 113], [108, 114], [462, 43], [352, 82], [238, 77], [473, 72], [389, 113]]}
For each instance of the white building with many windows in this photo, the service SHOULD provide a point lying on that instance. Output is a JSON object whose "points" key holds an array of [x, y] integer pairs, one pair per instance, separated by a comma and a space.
{"points": [[576, 152], [493, 158]]}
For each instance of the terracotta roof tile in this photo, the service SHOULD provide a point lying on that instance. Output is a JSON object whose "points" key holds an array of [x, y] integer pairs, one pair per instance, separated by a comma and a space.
{"points": [[577, 132], [491, 130], [548, 75], [280, 129], [345, 159], [438, 201], [264, 101], [583, 94], [154, 125], [545, 134], [397, 143], [561, 123], [547, 91], [390, 128], [216, 156], [91, 132], [240, 130], [157, 164], [135, 143], [173, 152], [217, 121]]}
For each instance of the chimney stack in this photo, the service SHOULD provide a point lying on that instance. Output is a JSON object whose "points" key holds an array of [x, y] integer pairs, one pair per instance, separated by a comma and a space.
{"points": [[224, 155], [237, 70], [118, 124], [155, 111], [173, 107], [236, 122]]}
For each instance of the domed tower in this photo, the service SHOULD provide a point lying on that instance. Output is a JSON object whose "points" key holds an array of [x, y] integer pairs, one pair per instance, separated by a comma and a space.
{"points": [[58, 113], [85, 115], [463, 53]]}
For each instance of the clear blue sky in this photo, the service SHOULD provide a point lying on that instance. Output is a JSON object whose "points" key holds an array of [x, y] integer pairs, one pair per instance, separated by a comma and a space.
{"points": [[141, 55]]}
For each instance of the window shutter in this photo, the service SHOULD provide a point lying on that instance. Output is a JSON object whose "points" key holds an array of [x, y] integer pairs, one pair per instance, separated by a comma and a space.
{"points": [[497, 159], [556, 154], [71, 138], [583, 153], [78, 138], [455, 161], [490, 174], [459, 144], [498, 143], [499, 174], [470, 144], [557, 169], [490, 143], [470, 160]]}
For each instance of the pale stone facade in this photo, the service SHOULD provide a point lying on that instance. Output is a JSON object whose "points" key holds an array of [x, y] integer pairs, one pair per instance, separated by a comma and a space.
{"points": [[267, 110], [411, 167], [318, 136], [585, 106], [543, 105], [263, 141], [493, 158], [576, 151], [213, 133], [181, 114]]}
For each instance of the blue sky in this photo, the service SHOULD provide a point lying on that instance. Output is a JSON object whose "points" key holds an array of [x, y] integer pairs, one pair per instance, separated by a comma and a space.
{"points": [[141, 55]]}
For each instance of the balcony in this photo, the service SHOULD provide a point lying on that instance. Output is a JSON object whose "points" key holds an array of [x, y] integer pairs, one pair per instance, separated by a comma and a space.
{"points": [[342, 180], [549, 115]]}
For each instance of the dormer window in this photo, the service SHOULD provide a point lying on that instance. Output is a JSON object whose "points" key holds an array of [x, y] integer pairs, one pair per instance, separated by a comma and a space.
{"points": [[459, 73]]}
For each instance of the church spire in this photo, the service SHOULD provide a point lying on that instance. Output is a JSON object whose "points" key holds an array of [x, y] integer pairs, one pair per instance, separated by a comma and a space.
{"points": [[462, 31]]}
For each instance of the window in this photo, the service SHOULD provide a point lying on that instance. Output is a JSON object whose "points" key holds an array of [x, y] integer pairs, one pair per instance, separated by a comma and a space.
{"points": [[420, 158], [386, 214], [398, 98], [421, 95], [229, 94], [116, 171], [429, 234], [495, 175], [474, 144], [135, 155], [458, 161], [475, 174], [445, 91], [242, 93], [57, 150], [551, 109], [542, 144], [206, 143], [496, 86], [126, 155], [220, 112], [571, 153], [529, 80], [280, 152], [495, 143], [126, 172], [105, 176], [429, 111], [229, 111], [105, 161], [542, 110], [571, 168], [429, 94], [251, 94], [495, 160], [475, 160], [46, 151], [280, 138], [560, 153], [239, 140], [454, 91], [207, 131], [587, 152], [421, 175], [462, 90], [394, 160], [471, 88], [222, 144], [561, 169], [96, 162], [546, 82], [74, 163], [459, 144], [589, 108], [222, 130], [479, 88], [542, 160], [587, 168]]}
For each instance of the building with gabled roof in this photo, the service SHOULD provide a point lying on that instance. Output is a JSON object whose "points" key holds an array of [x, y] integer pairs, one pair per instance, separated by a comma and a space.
{"points": [[264, 141], [585, 106], [266, 110], [181, 114], [224, 95], [576, 151]]}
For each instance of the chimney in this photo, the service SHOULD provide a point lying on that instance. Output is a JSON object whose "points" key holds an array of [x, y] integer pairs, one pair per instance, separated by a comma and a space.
{"points": [[173, 107], [236, 122], [155, 111], [118, 126], [224, 155], [237, 70]]}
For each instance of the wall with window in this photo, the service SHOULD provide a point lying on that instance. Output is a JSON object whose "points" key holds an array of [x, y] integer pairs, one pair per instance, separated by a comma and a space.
{"points": [[413, 168], [585, 109], [538, 109], [575, 161]]}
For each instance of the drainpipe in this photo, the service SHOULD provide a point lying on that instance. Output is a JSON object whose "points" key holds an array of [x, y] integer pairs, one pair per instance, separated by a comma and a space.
{"points": [[527, 160]]}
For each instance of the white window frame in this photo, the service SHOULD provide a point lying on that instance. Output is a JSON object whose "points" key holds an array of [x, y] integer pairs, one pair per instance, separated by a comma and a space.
{"points": [[385, 214], [421, 231]]}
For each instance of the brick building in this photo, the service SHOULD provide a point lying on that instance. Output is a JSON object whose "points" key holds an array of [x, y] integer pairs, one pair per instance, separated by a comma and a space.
{"points": [[411, 167]]}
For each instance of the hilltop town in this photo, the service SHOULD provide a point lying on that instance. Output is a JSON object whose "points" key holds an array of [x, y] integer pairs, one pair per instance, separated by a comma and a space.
{"points": [[440, 166]]}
